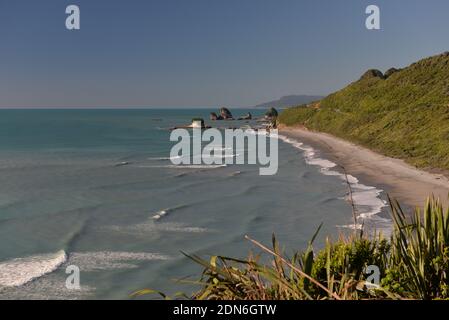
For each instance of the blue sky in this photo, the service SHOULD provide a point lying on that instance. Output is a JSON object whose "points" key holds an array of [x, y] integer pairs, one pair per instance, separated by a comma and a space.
{"points": [[194, 53]]}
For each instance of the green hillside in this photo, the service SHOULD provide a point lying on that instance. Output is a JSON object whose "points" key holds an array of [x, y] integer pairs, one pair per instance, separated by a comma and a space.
{"points": [[402, 113]]}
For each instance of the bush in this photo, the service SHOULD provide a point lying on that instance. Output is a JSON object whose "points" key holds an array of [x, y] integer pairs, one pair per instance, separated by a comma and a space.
{"points": [[414, 264]]}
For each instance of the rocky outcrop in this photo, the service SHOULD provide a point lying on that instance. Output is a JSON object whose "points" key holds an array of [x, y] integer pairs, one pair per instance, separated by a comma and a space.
{"points": [[271, 114], [390, 71], [226, 114], [198, 123], [372, 73], [215, 117], [248, 116]]}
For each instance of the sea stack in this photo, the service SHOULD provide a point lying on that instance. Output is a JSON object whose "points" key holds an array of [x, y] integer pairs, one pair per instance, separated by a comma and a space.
{"points": [[247, 117], [215, 117], [271, 114], [198, 123], [226, 114]]}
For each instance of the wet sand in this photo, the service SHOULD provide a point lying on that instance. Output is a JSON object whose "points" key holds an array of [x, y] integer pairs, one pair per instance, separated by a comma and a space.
{"points": [[409, 185]]}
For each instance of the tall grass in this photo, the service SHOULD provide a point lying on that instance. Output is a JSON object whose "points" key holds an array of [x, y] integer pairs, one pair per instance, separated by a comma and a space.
{"points": [[414, 264]]}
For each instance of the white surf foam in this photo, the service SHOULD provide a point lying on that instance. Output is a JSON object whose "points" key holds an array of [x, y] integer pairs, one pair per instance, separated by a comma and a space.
{"points": [[111, 260], [160, 214], [145, 228], [182, 228], [19, 271], [366, 199], [164, 212], [34, 277], [50, 287], [357, 226], [164, 158]]}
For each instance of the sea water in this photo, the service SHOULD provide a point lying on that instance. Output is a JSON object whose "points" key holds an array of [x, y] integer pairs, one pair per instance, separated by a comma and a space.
{"points": [[96, 189]]}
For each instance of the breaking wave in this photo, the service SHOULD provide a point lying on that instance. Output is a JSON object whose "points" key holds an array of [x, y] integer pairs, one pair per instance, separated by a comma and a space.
{"points": [[20, 271], [366, 199]]}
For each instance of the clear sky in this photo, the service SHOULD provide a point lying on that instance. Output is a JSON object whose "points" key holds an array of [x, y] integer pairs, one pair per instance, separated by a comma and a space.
{"points": [[196, 53]]}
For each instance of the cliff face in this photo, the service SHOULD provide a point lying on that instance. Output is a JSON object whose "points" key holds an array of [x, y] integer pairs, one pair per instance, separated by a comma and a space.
{"points": [[402, 113]]}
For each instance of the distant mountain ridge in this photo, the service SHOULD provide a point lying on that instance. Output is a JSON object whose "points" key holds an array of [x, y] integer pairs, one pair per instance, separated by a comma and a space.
{"points": [[289, 101], [402, 113]]}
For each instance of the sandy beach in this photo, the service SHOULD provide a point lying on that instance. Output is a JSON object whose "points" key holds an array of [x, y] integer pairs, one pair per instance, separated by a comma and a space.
{"points": [[409, 185]]}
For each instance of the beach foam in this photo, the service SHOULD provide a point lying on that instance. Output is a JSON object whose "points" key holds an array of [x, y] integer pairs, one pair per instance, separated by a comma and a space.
{"points": [[164, 158], [19, 271], [145, 228], [162, 213], [111, 260], [216, 148], [33, 277], [367, 201]]}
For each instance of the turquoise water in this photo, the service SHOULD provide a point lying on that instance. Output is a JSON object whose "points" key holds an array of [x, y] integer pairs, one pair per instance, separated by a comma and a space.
{"points": [[64, 201]]}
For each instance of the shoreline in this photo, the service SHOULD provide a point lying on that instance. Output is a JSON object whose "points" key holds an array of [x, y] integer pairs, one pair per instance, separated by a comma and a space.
{"points": [[401, 181]]}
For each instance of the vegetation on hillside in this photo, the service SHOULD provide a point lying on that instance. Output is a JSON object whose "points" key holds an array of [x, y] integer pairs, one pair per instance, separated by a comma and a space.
{"points": [[403, 114], [413, 264]]}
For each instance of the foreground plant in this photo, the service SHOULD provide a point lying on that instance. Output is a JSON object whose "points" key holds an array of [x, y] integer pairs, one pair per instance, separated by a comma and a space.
{"points": [[419, 260], [413, 264]]}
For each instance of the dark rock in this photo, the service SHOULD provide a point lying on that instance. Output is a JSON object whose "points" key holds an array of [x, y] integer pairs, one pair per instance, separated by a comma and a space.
{"points": [[226, 114], [271, 113], [373, 73], [390, 71], [247, 117], [214, 117]]}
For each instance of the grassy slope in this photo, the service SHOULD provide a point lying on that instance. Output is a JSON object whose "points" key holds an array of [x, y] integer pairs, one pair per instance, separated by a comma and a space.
{"points": [[404, 116]]}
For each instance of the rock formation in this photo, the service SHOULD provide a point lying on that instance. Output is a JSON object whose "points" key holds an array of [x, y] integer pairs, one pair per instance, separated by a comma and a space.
{"points": [[214, 117], [271, 114], [390, 71], [248, 116], [373, 73], [198, 123], [226, 114]]}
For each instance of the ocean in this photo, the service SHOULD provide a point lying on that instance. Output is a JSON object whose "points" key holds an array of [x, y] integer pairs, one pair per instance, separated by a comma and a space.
{"points": [[67, 199]]}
